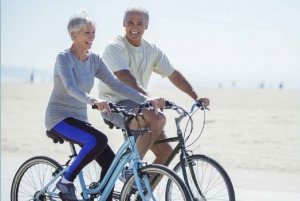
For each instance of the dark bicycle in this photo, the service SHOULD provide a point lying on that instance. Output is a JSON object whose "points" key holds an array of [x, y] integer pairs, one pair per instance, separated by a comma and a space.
{"points": [[205, 178]]}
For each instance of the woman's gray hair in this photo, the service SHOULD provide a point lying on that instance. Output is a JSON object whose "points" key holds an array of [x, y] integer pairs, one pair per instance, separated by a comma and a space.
{"points": [[80, 20], [137, 9]]}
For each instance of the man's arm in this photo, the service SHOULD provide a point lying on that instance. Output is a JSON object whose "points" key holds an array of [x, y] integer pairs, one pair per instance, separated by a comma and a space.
{"points": [[127, 78], [181, 83]]}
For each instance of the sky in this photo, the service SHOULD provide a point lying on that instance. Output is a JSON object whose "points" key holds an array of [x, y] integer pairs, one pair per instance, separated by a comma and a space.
{"points": [[210, 42]]}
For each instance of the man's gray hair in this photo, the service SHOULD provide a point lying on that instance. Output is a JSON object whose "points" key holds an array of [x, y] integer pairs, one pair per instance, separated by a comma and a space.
{"points": [[137, 9], [80, 20]]}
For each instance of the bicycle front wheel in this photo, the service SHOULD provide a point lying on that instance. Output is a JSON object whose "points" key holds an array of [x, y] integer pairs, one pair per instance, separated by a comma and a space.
{"points": [[206, 178], [32, 176], [161, 175]]}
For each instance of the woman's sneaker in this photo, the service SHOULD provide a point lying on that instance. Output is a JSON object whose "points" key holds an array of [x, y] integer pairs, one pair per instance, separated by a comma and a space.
{"points": [[126, 174], [68, 191]]}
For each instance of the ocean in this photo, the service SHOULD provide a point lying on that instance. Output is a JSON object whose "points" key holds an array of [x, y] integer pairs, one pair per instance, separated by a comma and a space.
{"points": [[19, 74], [26, 75]]}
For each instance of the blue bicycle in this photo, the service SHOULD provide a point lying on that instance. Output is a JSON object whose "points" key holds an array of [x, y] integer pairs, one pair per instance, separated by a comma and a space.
{"points": [[36, 178]]}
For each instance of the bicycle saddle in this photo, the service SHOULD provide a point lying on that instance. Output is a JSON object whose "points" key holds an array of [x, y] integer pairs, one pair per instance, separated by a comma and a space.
{"points": [[54, 137], [110, 124]]}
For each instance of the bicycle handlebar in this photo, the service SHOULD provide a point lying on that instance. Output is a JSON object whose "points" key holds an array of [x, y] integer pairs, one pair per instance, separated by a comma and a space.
{"points": [[120, 109], [117, 109], [183, 113], [130, 114], [198, 103], [168, 105]]}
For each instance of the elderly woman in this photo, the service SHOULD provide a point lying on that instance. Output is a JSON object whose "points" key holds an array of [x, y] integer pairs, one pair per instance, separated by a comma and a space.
{"points": [[66, 114]]}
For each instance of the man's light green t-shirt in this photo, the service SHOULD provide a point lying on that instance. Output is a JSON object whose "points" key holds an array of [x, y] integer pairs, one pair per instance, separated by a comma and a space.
{"points": [[141, 61]]}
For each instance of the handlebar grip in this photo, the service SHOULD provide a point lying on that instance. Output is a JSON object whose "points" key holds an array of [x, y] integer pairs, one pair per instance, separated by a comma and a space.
{"points": [[201, 105], [168, 103], [146, 105], [111, 105], [94, 106]]}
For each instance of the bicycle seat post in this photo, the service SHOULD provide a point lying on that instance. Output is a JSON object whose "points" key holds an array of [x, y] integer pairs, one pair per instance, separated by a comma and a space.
{"points": [[73, 150]]}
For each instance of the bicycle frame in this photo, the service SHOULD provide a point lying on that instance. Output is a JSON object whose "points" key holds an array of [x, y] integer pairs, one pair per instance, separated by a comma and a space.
{"points": [[184, 154], [187, 163]]}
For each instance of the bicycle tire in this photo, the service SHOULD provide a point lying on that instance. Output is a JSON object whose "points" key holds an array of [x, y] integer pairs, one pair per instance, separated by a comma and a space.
{"points": [[213, 181], [31, 177], [180, 191]]}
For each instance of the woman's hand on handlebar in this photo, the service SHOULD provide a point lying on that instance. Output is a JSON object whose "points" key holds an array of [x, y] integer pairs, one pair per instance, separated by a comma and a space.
{"points": [[161, 103], [154, 103], [102, 106]]}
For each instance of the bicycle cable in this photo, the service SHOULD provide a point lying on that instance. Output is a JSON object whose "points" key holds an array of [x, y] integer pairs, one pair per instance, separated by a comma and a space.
{"points": [[203, 125], [190, 120]]}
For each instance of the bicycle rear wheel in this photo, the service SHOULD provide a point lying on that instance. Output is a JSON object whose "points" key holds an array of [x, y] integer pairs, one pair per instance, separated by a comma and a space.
{"points": [[179, 190], [32, 176], [207, 179]]}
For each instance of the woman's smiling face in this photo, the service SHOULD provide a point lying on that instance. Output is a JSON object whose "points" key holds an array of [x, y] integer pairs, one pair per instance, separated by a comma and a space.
{"points": [[85, 37]]}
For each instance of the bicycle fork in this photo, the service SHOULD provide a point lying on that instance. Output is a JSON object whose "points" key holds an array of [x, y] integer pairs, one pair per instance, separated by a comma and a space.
{"points": [[187, 163]]}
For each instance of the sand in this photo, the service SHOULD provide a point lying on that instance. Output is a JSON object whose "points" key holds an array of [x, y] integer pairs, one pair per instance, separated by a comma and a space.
{"points": [[253, 133]]}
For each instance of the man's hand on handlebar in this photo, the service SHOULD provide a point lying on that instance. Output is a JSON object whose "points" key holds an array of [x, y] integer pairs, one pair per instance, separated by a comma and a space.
{"points": [[205, 101]]}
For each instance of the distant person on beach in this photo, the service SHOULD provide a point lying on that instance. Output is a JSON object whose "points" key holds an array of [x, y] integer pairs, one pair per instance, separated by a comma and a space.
{"points": [[233, 84], [262, 85], [66, 113], [32, 76], [133, 59], [281, 85]]}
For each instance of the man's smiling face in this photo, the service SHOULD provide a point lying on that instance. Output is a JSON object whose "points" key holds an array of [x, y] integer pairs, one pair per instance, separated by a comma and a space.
{"points": [[135, 26]]}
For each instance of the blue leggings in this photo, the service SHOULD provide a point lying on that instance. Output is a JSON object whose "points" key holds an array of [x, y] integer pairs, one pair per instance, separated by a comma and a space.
{"points": [[93, 142]]}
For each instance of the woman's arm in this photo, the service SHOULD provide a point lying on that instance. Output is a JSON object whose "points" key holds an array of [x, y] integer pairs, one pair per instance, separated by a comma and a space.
{"points": [[64, 69]]}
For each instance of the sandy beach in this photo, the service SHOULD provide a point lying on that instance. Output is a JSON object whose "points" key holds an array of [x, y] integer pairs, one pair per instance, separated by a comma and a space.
{"points": [[253, 133]]}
